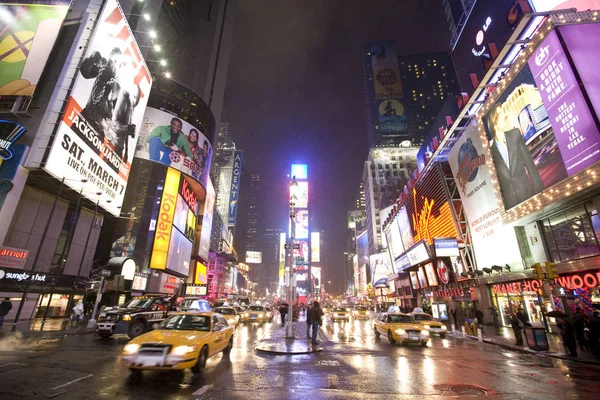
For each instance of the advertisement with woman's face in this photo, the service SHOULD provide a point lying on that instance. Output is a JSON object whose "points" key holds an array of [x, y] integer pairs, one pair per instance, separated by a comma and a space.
{"points": [[381, 267]]}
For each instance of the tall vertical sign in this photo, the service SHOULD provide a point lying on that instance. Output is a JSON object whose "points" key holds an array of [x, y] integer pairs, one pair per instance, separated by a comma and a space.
{"points": [[235, 188], [164, 222]]}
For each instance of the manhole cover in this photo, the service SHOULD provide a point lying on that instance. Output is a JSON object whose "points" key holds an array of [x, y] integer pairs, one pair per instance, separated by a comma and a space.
{"points": [[461, 390]]}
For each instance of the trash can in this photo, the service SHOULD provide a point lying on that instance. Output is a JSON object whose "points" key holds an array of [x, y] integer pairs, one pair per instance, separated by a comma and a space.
{"points": [[535, 334]]}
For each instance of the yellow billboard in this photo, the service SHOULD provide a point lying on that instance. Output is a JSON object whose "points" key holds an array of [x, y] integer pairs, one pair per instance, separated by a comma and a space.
{"points": [[282, 239], [315, 247], [164, 222], [386, 71]]}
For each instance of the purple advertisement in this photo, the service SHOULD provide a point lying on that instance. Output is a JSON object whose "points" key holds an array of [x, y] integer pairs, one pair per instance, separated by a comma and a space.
{"points": [[574, 127]]}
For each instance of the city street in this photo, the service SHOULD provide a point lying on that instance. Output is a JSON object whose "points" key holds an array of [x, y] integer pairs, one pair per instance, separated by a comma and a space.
{"points": [[353, 364]]}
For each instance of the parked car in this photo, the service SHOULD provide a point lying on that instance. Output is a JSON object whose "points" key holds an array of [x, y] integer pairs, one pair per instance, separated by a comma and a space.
{"points": [[134, 318]]}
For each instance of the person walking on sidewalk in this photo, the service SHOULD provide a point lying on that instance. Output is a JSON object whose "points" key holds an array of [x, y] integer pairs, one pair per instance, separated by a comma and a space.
{"points": [[316, 317], [5, 307], [479, 316], [579, 322], [517, 326], [308, 324], [283, 310], [454, 317], [593, 332], [567, 333]]}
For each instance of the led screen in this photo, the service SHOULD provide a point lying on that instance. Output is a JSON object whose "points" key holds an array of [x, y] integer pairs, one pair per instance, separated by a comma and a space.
{"points": [[253, 257], [414, 280], [315, 247], [180, 253], [422, 278], [431, 274], [404, 227], [301, 220], [381, 268], [299, 171], [580, 5], [200, 277], [301, 193]]}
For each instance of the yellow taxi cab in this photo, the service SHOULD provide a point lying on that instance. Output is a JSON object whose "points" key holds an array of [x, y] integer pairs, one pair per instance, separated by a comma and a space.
{"points": [[183, 340], [269, 313], [340, 313], [430, 323], [401, 328], [361, 312], [230, 314], [255, 313]]}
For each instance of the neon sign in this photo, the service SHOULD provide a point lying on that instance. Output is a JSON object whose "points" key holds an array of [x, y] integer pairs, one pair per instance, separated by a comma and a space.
{"points": [[427, 224], [480, 37]]}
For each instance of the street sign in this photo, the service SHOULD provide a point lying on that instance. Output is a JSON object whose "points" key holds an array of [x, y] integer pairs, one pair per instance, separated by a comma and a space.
{"points": [[296, 246], [105, 272], [302, 263], [299, 259], [287, 246]]}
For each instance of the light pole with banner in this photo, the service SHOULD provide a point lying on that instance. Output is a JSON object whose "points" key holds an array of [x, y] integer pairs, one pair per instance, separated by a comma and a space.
{"points": [[289, 328]]}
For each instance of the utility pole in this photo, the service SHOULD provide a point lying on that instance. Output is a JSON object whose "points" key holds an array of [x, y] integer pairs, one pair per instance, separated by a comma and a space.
{"points": [[289, 328]]}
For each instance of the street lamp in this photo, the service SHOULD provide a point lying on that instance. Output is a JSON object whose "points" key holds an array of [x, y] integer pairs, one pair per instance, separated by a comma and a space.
{"points": [[289, 328]]}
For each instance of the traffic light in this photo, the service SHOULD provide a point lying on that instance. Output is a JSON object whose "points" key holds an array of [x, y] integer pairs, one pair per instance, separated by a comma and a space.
{"points": [[551, 270], [538, 272]]}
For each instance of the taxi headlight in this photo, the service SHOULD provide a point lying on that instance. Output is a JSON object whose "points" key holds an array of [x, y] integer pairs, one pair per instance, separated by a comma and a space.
{"points": [[131, 348], [400, 331], [425, 332], [427, 327], [245, 314], [126, 317], [183, 350], [444, 327]]}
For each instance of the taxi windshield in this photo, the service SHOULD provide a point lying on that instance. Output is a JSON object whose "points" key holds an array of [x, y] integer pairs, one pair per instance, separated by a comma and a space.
{"points": [[139, 303], [423, 317], [187, 323], [400, 318], [225, 311], [339, 309], [361, 308], [256, 308]]}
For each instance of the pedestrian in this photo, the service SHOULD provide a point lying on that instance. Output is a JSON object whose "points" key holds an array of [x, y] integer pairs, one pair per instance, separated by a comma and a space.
{"points": [[517, 326], [567, 333], [479, 316], [454, 317], [308, 323], [593, 333], [579, 322], [521, 315], [5, 307], [78, 312], [495, 318], [282, 312], [316, 320]]}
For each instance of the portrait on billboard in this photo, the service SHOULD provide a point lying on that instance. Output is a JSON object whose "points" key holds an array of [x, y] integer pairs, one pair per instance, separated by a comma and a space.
{"points": [[27, 36], [422, 278], [414, 280], [405, 229], [301, 220], [431, 274], [301, 194], [522, 141], [172, 141], [381, 267]]}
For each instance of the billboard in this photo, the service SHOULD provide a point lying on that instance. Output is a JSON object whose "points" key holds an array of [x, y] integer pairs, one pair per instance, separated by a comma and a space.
{"points": [[28, 30], [405, 229], [303, 251], [236, 175], [282, 241], [301, 195], [486, 24], [362, 244], [301, 220], [96, 136], [469, 164], [381, 268], [316, 276], [387, 106], [315, 247], [299, 171], [164, 221], [207, 218], [580, 5], [172, 141], [253, 257], [200, 277], [394, 239], [431, 273]]}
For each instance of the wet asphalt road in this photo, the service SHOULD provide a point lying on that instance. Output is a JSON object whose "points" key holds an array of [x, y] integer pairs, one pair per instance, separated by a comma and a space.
{"points": [[353, 365]]}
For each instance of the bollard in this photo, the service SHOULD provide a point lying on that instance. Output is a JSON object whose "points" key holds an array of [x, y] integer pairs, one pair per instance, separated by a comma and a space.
{"points": [[453, 328], [479, 335], [462, 328]]}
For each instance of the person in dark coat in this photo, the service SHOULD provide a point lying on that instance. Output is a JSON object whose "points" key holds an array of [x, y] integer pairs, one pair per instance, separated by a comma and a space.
{"points": [[308, 322], [517, 326], [567, 333], [479, 316], [5, 307], [316, 319], [283, 310], [522, 316], [593, 333], [579, 322], [454, 317]]}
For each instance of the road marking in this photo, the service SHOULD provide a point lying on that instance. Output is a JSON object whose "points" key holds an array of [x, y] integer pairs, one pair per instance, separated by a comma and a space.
{"points": [[12, 363], [202, 390], [73, 381], [329, 363]]}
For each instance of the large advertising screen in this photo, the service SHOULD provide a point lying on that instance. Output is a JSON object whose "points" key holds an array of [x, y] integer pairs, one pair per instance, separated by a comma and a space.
{"points": [[164, 221], [315, 247], [381, 268], [28, 30], [301, 220], [207, 217], [387, 86], [172, 141], [540, 129], [580, 5], [316, 276], [253, 257], [180, 253], [468, 162], [300, 171], [394, 240], [406, 233], [302, 250], [99, 129], [362, 245], [486, 24], [236, 176], [301, 195], [282, 252]]}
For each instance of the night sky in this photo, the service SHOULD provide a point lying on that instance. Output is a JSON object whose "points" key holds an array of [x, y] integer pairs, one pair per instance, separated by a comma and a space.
{"points": [[294, 94]]}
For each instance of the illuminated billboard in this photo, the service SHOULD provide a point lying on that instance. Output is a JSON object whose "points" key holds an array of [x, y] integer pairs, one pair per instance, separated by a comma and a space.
{"points": [[468, 162], [164, 222], [406, 233], [28, 30], [316, 276], [580, 5], [302, 251], [200, 277], [299, 171], [236, 175], [96, 137], [381, 268], [172, 141], [540, 129], [253, 257], [301, 193], [315, 247], [301, 220], [207, 217], [282, 252]]}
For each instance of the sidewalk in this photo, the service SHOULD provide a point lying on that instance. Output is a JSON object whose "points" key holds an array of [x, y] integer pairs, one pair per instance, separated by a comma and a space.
{"points": [[53, 327], [275, 342], [504, 337]]}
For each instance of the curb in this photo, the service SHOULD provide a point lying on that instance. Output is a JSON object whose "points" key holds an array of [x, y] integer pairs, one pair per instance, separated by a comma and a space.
{"points": [[528, 351], [44, 334]]}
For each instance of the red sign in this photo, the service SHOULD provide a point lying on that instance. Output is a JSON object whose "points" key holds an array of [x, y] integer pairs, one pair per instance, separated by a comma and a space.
{"points": [[443, 272], [188, 195], [588, 280], [13, 258]]}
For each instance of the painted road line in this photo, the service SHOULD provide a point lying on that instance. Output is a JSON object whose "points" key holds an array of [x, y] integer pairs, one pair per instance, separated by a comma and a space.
{"points": [[73, 381], [202, 390]]}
